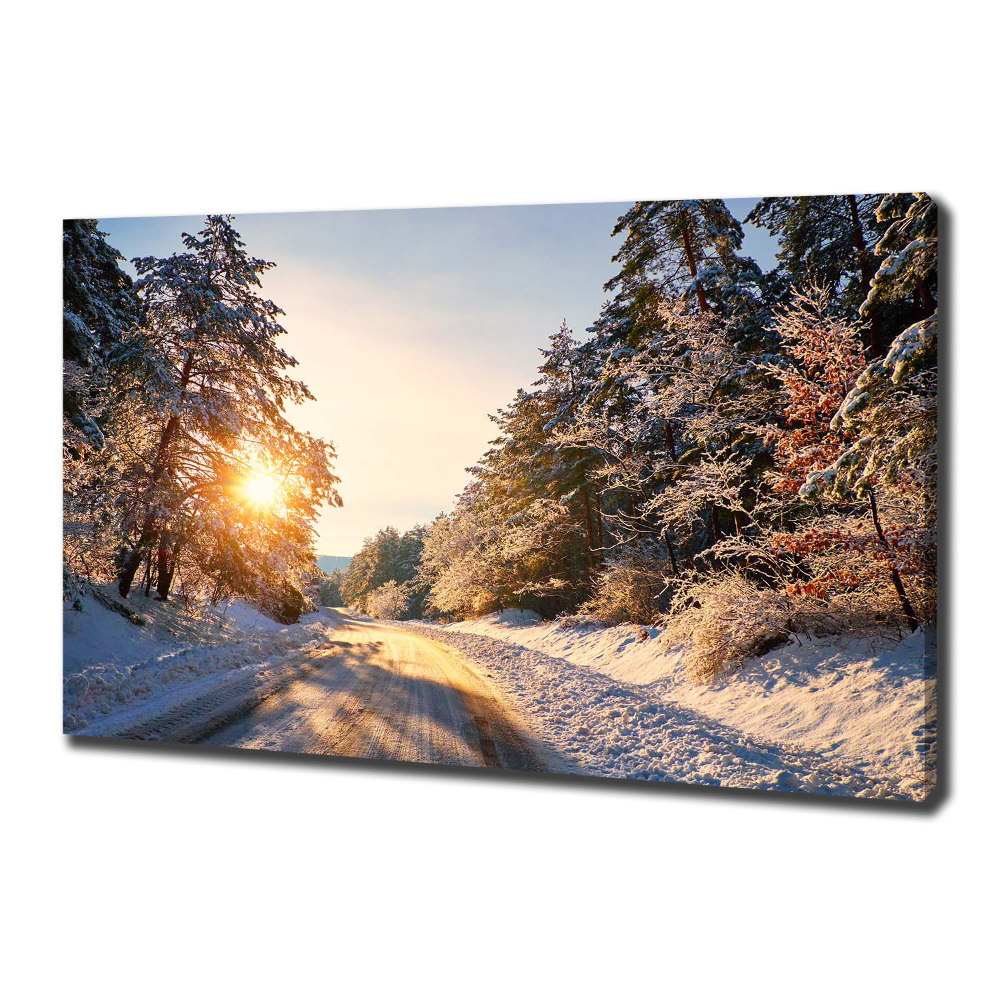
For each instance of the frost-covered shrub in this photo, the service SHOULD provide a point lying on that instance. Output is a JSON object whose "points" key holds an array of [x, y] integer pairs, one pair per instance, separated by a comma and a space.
{"points": [[859, 444], [388, 601], [567, 622], [841, 562], [725, 619], [627, 589]]}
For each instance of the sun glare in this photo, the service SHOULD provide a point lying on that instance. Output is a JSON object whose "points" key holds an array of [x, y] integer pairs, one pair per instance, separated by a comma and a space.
{"points": [[261, 489]]}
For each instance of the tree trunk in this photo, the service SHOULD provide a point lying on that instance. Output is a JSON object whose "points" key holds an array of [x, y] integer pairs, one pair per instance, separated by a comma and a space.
{"points": [[589, 522], [867, 273], [670, 441], [147, 534], [693, 264], [174, 557], [131, 564], [673, 456], [165, 569], [897, 581], [670, 549], [716, 534], [926, 299], [629, 493], [600, 529]]}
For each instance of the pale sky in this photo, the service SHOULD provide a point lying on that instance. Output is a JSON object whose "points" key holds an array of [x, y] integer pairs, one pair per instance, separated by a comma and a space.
{"points": [[411, 326]]}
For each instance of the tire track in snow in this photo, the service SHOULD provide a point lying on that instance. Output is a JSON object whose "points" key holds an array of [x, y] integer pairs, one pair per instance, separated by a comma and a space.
{"points": [[388, 694]]}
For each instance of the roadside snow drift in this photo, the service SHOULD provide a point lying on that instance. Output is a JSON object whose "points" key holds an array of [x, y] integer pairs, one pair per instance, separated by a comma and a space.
{"points": [[816, 715], [181, 672]]}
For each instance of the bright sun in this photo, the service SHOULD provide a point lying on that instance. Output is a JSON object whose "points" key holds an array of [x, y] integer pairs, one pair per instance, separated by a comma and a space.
{"points": [[261, 489]]}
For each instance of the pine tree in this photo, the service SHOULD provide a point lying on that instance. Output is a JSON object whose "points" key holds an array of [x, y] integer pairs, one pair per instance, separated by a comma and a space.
{"points": [[908, 248], [387, 558], [379, 560], [680, 249], [827, 242], [99, 309], [524, 487], [329, 589], [213, 379], [563, 386]]}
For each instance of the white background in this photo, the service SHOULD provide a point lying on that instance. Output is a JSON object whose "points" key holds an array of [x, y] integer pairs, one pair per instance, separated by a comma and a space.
{"points": [[148, 872]]}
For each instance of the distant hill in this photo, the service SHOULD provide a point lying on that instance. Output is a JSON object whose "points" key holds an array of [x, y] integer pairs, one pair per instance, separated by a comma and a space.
{"points": [[329, 563]]}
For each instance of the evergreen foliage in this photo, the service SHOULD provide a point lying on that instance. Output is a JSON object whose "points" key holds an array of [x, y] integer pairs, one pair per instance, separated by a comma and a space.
{"points": [[722, 437], [387, 558], [722, 444], [175, 410], [99, 310]]}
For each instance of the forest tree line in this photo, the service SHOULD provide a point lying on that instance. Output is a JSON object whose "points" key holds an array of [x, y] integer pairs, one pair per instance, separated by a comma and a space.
{"points": [[182, 471], [736, 454]]}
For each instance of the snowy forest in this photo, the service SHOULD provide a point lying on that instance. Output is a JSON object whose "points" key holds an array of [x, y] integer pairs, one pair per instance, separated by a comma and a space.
{"points": [[182, 472], [733, 455]]}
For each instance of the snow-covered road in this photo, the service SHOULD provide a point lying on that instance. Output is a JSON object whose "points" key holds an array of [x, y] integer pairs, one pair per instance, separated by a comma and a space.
{"points": [[380, 692]]}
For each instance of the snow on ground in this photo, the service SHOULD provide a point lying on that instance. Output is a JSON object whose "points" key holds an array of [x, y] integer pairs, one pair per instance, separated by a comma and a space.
{"points": [[845, 718], [620, 652], [247, 618], [117, 675], [816, 715]]}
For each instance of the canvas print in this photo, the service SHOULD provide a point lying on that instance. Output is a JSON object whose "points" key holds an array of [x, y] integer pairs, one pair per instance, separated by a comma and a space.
{"points": [[640, 491]]}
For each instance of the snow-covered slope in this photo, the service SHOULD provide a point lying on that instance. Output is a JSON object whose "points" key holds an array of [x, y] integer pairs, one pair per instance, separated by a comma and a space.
{"points": [[97, 635], [837, 716], [116, 672], [625, 652]]}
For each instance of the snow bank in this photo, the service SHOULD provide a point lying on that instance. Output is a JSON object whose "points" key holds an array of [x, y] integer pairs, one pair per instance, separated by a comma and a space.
{"points": [[851, 699], [625, 652], [842, 718], [124, 679], [97, 635], [247, 618]]}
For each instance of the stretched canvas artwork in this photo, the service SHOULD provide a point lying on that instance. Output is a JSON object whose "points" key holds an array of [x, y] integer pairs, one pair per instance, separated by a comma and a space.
{"points": [[639, 491]]}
